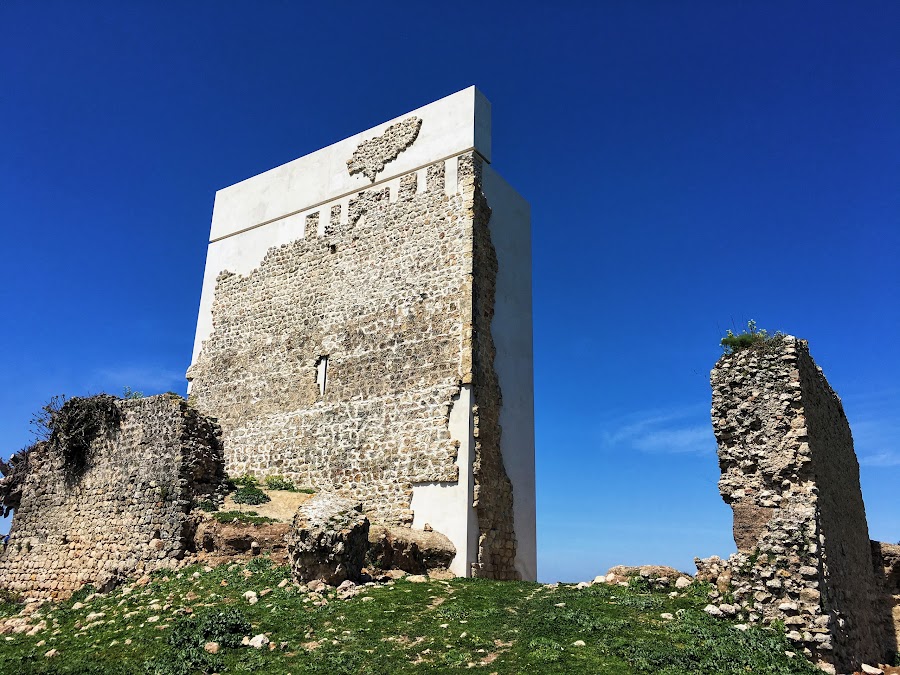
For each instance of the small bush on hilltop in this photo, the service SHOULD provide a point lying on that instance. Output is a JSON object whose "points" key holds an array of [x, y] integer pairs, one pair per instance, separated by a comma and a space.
{"points": [[251, 517], [71, 425], [282, 483], [189, 634], [250, 495]]}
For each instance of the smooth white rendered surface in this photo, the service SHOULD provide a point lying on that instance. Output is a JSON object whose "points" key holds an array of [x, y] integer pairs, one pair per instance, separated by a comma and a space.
{"points": [[511, 329], [447, 507], [455, 124]]}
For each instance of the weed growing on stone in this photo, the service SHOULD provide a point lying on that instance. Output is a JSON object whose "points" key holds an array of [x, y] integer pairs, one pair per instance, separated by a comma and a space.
{"points": [[207, 505], [751, 337], [282, 483], [79, 422], [461, 625]]}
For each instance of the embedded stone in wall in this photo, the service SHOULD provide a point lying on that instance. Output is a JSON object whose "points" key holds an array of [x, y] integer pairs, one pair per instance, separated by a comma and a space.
{"points": [[126, 511], [791, 475], [370, 156]]}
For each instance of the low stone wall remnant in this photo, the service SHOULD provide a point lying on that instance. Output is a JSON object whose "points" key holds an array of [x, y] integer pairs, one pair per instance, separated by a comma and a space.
{"points": [[126, 511]]}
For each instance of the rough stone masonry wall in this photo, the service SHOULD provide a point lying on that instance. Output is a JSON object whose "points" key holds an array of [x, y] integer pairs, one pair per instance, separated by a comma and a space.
{"points": [[388, 299], [791, 476], [129, 510], [493, 489], [886, 558]]}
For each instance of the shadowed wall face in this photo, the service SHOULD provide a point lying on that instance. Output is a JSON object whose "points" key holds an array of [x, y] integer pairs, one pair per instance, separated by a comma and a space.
{"points": [[790, 473]]}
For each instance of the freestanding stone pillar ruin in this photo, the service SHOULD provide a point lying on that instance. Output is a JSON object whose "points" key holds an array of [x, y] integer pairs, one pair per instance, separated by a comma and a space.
{"points": [[791, 476], [365, 327]]}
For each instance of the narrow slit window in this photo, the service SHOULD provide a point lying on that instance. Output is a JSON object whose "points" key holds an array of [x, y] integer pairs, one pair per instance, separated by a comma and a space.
{"points": [[322, 374]]}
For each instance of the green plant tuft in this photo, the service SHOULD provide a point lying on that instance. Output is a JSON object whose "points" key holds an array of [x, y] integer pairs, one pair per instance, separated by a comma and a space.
{"points": [[280, 483], [250, 494], [208, 505], [71, 427], [250, 517], [751, 337], [189, 634], [246, 480]]}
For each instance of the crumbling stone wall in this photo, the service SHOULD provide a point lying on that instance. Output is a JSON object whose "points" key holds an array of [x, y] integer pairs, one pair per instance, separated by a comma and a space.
{"points": [[128, 511], [493, 490], [385, 301], [791, 476]]}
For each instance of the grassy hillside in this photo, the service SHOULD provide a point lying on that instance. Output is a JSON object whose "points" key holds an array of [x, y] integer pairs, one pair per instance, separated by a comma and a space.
{"points": [[451, 626]]}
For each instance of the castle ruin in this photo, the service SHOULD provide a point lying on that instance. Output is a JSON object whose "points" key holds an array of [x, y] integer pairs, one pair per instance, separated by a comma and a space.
{"points": [[791, 476], [365, 328], [120, 510]]}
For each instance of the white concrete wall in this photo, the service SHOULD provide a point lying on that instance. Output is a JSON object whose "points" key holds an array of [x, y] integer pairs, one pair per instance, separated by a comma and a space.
{"points": [[447, 507], [511, 329], [454, 124]]}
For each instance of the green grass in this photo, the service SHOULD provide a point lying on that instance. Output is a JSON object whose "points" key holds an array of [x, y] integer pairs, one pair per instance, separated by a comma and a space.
{"points": [[251, 517], [469, 625]]}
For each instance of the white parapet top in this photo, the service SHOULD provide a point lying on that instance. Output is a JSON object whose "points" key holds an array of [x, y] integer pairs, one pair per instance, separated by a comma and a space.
{"points": [[450, 126]]}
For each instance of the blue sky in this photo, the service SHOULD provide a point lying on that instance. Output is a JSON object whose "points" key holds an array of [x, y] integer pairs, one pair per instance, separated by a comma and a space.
{"points": [[690, 166]]}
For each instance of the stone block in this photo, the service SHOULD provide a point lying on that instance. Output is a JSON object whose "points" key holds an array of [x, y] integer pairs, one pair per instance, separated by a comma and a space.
{"points": [[328, 540]]}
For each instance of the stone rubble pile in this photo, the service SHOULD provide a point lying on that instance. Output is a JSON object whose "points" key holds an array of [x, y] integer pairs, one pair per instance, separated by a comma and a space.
{"points": [[413, 551]]}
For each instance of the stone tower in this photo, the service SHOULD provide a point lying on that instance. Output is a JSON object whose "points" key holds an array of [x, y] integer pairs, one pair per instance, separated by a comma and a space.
{"points": [[791, 476], [365, 327]]}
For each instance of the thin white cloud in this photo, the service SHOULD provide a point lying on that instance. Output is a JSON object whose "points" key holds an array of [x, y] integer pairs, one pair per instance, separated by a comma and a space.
{"points": [[678, 431], [685, 439], [881, 459]]}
